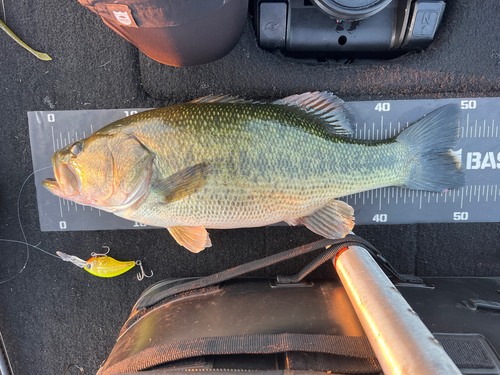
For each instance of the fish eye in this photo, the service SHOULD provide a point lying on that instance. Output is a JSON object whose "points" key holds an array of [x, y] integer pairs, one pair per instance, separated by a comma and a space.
{"points": [[76, 148], [88, 266]]}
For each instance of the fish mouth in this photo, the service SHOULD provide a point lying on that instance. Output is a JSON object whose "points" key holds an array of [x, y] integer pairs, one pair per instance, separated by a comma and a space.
{"points": [[53, 186], [66, 183]]}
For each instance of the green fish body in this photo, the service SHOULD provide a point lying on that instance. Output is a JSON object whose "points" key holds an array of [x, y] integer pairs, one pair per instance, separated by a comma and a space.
{"points": [[220, 162]]}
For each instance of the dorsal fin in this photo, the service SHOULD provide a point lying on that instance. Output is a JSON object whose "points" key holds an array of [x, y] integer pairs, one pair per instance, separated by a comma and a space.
{"points": [[223, 99], [323, 107]]}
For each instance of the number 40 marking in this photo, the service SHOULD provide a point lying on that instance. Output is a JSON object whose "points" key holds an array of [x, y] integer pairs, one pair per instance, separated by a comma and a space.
{"points": [[383, 107], [380, 218]]}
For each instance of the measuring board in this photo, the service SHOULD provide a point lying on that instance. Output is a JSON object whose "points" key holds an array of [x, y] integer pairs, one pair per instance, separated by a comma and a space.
{"points": [[478, 148]]}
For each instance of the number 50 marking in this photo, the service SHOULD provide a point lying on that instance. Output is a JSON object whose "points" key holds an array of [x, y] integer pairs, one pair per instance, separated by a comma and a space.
{"points": [[460, 216], [468, 104]]}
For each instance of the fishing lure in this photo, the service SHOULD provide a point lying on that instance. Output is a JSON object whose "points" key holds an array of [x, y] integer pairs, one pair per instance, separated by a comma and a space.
{"points": [[103, 265], [40, 55], [99, 265]]}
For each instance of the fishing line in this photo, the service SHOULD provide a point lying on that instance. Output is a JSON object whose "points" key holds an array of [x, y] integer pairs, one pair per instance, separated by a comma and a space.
{"points": [[118, 267], [4, 15], [25, 242]]}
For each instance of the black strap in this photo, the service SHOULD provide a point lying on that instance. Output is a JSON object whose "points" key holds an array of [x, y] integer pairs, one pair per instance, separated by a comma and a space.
{"points": [[349, 346], [332, 252], [336, 245]]}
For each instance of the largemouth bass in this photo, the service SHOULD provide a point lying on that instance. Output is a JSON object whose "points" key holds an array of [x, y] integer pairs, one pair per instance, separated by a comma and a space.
{"points": [[221, 162]]}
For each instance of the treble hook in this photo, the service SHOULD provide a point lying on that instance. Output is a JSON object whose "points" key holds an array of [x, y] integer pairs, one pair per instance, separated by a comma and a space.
{"points": [[95, 255], [141, 275]]}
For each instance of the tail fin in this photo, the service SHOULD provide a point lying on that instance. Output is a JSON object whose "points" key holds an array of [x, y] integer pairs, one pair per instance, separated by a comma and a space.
{"points": [[431, 139]]}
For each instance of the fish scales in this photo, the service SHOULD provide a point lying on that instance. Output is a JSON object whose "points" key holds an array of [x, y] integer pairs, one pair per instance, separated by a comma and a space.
{"points": [[221, 162], [267, 163]]}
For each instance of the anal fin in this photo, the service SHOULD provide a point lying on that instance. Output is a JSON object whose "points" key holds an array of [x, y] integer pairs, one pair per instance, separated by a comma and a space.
{"points": [[335, 220], [195, 239]]}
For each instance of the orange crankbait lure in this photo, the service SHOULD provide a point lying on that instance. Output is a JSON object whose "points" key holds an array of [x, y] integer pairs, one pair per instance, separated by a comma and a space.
{"points": [[103, 265]]}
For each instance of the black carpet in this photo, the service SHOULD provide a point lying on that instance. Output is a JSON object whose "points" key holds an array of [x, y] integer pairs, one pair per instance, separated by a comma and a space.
{"points": [[53, 313]]}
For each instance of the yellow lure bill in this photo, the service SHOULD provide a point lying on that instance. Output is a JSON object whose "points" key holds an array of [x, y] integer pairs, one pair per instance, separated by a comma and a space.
{"points": [[103, 265]]}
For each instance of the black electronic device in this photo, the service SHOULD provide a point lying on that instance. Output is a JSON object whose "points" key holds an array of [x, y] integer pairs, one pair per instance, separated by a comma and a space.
{"points": [[341, 28]]}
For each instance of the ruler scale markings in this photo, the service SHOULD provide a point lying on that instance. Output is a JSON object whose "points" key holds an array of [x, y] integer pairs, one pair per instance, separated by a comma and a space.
{"points": [[467, 127], [381, 126], [53, 141], [380, 201], [60, 206]]}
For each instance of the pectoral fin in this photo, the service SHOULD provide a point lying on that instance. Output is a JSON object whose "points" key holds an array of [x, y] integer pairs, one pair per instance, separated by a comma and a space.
{"points": [[335, 220], [194, 239], [183, 183]]}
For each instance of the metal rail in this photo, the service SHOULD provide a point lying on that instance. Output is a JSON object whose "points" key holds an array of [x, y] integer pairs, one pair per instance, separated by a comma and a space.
{"points": [[402, 343]]}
